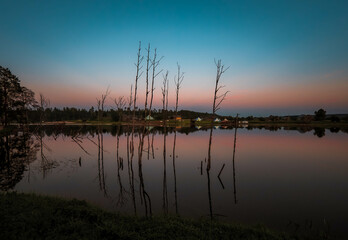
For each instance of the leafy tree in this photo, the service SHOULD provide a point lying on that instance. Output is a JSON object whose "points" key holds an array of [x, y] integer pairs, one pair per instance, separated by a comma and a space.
{"points": [[15, 99], [320, 114]]}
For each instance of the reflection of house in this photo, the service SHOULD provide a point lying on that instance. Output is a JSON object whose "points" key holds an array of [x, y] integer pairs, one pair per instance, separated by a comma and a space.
{"points": [[243, 123], [217, 120], [149, 118], [216, 127], [198, 119], [225, 120], [198, 127]]}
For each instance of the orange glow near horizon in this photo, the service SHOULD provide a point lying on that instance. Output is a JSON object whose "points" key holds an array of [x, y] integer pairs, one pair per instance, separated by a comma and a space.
{"points": [[323, 94]]}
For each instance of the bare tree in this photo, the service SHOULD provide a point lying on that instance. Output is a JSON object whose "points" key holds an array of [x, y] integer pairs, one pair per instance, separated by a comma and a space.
{"points": [[218, 99], [120, 103], [154, 65], [130, 100], [104, 96], [165, 96], [137, 76], [148, 66], [178, 81], [44, 103], [101, 102], [98, 107]]}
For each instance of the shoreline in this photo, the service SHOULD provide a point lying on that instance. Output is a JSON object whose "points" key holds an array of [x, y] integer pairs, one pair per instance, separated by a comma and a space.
{"points": [[186, 124], [35, 216]]}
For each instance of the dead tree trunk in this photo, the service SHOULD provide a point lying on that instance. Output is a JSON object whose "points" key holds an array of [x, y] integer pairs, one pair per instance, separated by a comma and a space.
{"points": [[130, 101], [137, 76], [165, 97], [154, 65], [148, 65], [44, 103], [120, 103], [101, 102], [178, 81], [218, 99], [98, 107]]}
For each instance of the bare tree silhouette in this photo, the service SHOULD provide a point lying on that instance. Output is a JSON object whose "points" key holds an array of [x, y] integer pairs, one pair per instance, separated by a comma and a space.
{"points": [[120, 103], [154, 65], [44, 103], [101, 103], [148, 66], [137, 76], [165, 97], [218, 99], [178, 81]]}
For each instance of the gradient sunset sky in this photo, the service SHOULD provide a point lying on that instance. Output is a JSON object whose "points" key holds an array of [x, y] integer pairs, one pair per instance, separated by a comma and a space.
{"points": [[285, 57]]}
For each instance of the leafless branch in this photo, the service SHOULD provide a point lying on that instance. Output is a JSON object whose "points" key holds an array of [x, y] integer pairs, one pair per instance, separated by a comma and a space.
{"points": [[154, 64], [178, 81], [137, 76], [218, 99]]}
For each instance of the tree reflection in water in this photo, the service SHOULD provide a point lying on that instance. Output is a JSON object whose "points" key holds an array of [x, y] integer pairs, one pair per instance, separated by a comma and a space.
{"points": [[17, 151], [151, 188]]}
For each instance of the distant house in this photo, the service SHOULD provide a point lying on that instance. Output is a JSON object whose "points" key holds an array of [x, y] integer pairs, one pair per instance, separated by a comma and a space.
{"points": [[198, 119], [149, 118], [225, 120], [217, 120], [178, 118]]}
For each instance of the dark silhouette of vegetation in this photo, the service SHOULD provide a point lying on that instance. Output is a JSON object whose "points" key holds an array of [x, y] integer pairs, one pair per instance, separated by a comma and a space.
{"points": [[17, 152], [334, 118], [320, 114], [48, 217], [320, 132], [15, 100]]}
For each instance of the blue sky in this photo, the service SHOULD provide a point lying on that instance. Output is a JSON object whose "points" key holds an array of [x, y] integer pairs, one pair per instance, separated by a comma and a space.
{"points": [[271, 47]]}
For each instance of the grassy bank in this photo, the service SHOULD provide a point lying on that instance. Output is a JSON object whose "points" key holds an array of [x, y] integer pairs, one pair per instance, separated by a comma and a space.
{"points": [[28, 216]]}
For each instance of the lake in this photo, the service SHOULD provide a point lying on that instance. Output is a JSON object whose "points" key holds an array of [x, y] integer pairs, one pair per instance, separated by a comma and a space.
{"points": [[291, 179]]}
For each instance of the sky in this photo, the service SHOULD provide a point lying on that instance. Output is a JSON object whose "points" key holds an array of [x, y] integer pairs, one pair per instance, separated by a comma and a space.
{"points": [[284, 57]]}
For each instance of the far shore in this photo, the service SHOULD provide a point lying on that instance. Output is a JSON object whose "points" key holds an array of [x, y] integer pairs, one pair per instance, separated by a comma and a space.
{"points": [[187, 123]]}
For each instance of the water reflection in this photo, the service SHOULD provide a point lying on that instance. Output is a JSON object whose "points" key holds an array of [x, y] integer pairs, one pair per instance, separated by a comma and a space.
{"points": [[17, 151], [137, 170], [234, 166]]}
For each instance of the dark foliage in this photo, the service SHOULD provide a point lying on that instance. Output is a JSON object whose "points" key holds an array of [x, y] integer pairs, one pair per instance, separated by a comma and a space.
{"points": [[320, 114]]}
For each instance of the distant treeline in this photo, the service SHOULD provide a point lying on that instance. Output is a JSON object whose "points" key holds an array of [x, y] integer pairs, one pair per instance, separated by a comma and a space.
{"points": [[73, 114], [66, 114]]}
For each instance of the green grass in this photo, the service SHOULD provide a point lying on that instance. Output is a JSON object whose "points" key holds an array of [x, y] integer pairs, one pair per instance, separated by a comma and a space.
{"points": [[29, 216]]}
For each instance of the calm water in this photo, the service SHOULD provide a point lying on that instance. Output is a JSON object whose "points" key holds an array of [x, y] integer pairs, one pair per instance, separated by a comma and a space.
{"points": [[285, 179]]}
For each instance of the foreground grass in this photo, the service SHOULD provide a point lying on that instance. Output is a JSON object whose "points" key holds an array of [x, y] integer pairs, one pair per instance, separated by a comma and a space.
{"points": [[28, 216]]}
